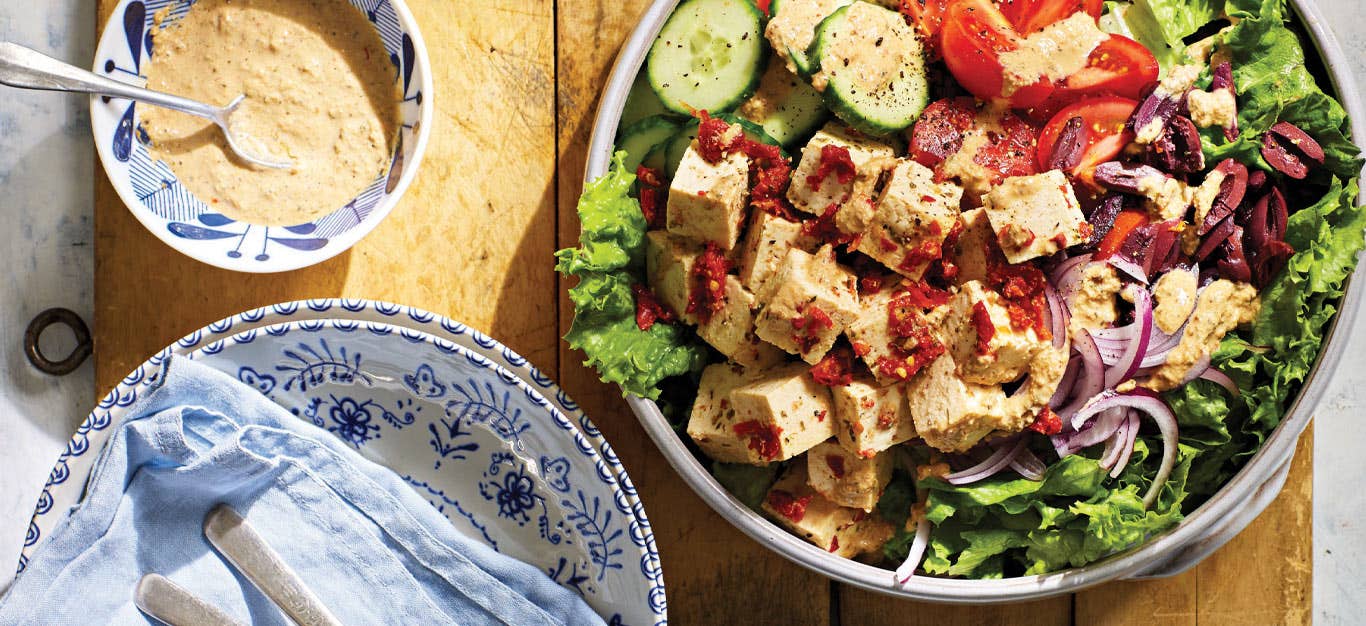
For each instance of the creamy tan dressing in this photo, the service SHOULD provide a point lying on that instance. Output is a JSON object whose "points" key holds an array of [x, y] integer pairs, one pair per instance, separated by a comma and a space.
{"points": [[876, 45], [1058, 51], [1221, 307], [320, 93], [795, 25], [975, 178]]}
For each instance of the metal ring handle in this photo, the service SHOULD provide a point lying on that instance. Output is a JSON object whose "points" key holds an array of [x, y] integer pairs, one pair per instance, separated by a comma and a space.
{"points": [[47, 319]]}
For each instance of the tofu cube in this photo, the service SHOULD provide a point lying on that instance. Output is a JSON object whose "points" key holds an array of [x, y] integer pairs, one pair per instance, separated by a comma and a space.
{"points": [[846, 478], [950, 414], [783, 413], [1008, 351], [807, 303], [668, 268], [712, 422], [870, 418], [845, 531], [731, 330], [766, 244], [870, 159], [911, 219], [870, 334], [1035, 216], [707, 201], [970, 252]]}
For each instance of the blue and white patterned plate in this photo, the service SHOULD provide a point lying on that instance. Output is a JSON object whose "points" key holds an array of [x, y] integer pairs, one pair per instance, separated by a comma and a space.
{"points": [[155, 196], [636, 564]]}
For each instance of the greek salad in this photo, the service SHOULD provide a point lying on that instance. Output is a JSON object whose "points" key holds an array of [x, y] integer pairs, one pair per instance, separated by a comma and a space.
{"points": [[970, 288]]}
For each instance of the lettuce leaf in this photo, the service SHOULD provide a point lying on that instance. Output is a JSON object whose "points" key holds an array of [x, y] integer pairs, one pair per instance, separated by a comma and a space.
{"points": [[607, 262], [1274, 84], [1002, 526], [1160, 25]]}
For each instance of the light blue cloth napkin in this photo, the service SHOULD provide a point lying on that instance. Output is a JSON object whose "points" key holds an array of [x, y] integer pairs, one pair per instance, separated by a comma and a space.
{"points": [[371, 549]]}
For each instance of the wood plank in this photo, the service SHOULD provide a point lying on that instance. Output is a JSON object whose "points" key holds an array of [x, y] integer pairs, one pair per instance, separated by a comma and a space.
{"points": [[715, 574], [1263, 576], [864, 607], [472, 238]]}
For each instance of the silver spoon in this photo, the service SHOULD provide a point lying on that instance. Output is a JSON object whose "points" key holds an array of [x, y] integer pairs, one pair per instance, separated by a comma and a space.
{"points": [[29, 69]]}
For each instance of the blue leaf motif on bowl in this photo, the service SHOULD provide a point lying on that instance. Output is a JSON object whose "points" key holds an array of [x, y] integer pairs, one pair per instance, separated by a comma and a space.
{"points": [[484, 405], [423, 382], [594, 522], [309, 367], [452, 440]]}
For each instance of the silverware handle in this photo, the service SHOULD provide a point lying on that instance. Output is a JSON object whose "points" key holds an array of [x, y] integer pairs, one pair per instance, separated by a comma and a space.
{"points": [[171, 604], [248, 553], [29, 69]]}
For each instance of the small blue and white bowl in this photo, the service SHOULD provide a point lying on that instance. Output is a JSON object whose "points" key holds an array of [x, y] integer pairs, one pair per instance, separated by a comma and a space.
{"points": [[155, 196]]}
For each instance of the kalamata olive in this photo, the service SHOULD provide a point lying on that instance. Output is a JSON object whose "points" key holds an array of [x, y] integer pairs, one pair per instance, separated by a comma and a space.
{"points": [[1290, 150], [1126, 177], [1231, 193], [1222, 78], [1071, 145]]}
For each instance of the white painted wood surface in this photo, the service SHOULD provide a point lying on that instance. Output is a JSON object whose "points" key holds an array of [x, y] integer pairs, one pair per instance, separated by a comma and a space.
{"points": [[46, 169]]}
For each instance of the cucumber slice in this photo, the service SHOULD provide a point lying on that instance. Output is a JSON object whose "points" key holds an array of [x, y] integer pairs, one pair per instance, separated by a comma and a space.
{"points": [[785, 106], [708, 57], [657, 158], [792, 26], [641, 103], [641, 137], [871, 68], [673, 154]]}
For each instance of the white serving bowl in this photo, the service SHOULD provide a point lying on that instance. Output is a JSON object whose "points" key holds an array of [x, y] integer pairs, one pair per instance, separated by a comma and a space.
{"points": [[1174, 551], [174, 215]]}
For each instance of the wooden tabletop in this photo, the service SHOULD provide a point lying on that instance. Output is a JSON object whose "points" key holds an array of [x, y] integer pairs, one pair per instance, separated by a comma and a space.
{"points": [[517, 85]]}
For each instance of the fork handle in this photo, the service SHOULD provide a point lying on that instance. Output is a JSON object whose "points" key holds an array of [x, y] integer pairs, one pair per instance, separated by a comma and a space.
{"points": [[27, 68]]}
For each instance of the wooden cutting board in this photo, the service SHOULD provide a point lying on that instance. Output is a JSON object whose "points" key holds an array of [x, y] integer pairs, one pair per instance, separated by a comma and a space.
{"points": [[517, 86]]}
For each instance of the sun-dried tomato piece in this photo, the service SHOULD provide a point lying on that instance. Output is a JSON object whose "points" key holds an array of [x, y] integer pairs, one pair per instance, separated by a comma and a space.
{"points": [[651, 190], [766, 439], [716, 137], [835, 370], [786, 504], [708, 294], [981, 320], [1047, 423], [834, 160], [824, 229], [648, 308], [809, 325]]}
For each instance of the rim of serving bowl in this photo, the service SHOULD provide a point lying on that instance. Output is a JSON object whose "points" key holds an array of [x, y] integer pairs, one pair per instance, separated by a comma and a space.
{"points": [[1169, 546], [336, 245]]}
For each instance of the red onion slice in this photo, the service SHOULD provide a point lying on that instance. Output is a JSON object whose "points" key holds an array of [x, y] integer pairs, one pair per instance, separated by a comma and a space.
{"points": [[1058, 318], [1091, 432], [1128, 267], [1197, 369], [1114, 445], [1214, 375], [1028, 465], [1138, 345], [1091, 378], [1128, 447], [999, 460], [1069, 379], [1148, 402], [1067, 274], [922, 540]]}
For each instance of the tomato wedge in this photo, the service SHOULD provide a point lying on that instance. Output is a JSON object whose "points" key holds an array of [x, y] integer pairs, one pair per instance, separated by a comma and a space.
{"points": [[1029, 16], [938, 134], [1125, 223], [975, 34], [1117, 67], [1104, 133], [927, 16]]}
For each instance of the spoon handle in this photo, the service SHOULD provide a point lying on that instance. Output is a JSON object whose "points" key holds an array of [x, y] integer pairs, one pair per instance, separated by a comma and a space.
{"points": [[29, 69]]}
